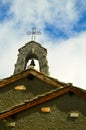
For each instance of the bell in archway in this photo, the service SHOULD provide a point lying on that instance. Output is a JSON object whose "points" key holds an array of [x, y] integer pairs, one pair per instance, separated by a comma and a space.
{"points": [[32, 63]]}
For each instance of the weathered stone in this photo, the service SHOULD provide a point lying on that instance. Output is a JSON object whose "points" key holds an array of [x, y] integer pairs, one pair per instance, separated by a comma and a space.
{"points": [[32, 50]]}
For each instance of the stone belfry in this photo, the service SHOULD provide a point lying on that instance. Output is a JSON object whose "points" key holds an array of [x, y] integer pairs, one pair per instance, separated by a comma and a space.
{"points": [[32, 50]]}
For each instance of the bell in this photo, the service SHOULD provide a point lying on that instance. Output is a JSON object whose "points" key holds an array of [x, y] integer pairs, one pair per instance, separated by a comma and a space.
{"points": [[32, 63]]}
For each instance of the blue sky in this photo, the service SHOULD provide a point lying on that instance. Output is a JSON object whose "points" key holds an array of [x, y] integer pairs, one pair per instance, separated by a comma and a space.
{"points": [[63, 32]]}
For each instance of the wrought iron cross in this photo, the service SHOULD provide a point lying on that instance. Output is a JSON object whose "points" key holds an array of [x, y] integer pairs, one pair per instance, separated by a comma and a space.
{"points": [[34, 33]]}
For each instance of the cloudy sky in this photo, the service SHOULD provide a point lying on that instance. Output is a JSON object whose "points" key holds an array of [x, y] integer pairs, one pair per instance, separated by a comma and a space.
{"points": [[62, 24]]}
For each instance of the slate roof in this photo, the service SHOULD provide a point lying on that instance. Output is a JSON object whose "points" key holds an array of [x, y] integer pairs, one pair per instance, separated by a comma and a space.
{"points": [[39, 75], [41, 99], [60, 89]]}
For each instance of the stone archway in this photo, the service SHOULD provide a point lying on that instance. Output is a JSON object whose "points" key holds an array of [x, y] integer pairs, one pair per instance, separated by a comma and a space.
{"points": [[36, 62], [32, 50]]}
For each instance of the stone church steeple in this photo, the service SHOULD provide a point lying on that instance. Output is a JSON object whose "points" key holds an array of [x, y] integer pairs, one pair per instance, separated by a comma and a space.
{"points": [[32, 50]]}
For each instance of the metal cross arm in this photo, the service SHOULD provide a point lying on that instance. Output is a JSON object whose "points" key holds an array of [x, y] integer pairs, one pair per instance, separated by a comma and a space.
{"points": [[34, 33]]}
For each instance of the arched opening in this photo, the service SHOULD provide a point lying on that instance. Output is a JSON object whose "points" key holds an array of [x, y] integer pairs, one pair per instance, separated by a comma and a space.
{"points": [[36, 62], [29, 51]]}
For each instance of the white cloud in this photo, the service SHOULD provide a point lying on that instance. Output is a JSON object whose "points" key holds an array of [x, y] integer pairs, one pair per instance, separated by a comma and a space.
{"points": [[68, 60], [66, 57]]}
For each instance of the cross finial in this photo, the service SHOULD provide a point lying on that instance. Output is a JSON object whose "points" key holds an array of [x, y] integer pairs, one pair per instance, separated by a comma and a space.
{"points": [[33, 33]]}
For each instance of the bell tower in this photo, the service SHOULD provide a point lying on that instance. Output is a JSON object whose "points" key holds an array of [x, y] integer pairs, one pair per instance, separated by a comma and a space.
{"points": [[32, 50]]}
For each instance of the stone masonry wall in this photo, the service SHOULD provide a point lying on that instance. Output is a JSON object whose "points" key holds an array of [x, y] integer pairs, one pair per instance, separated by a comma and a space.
{"points": [[32, 50]]}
